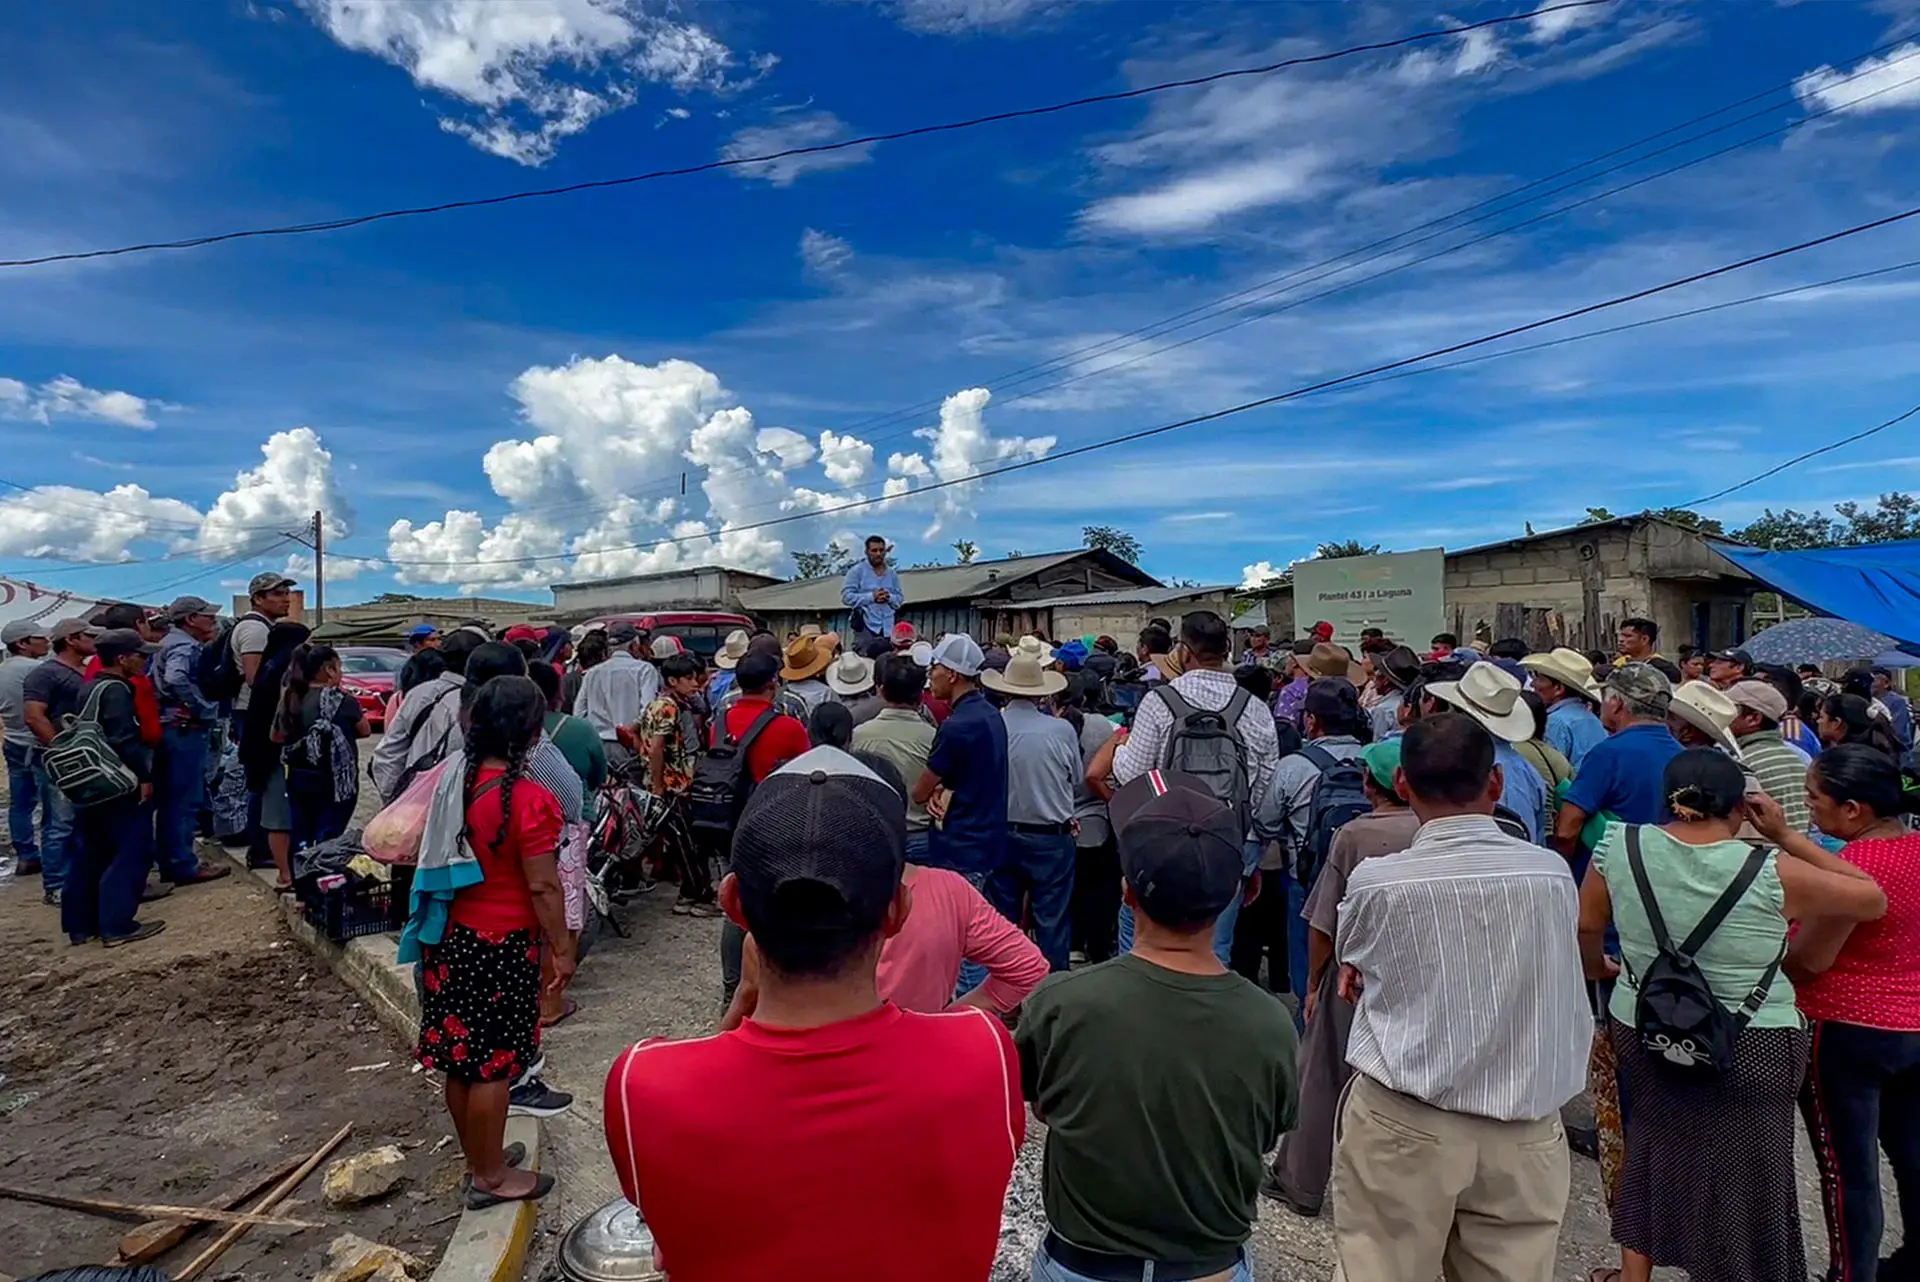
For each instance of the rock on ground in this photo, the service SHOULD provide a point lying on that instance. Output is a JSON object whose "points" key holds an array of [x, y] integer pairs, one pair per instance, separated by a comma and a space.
{"points": [[352, 1258], [366, 1176]]}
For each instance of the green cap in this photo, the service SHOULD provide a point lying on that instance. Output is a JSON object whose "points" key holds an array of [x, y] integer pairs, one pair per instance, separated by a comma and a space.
{"points": [[1382, 760]]}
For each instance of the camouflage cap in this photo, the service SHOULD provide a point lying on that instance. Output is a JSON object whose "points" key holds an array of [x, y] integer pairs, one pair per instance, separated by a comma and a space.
{"points": [[1640, 683]]}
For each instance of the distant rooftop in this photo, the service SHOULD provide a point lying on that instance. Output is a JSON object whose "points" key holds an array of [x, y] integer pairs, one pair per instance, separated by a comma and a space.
{"points": [[923, 587], [1130, 596]]}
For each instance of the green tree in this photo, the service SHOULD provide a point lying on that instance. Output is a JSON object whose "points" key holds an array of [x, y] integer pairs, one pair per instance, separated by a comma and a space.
{"points": [[1598, 514], [965, 551], [1893, 516], [835, 559], [1345, 548], [1107, 538], [1181, 581]]}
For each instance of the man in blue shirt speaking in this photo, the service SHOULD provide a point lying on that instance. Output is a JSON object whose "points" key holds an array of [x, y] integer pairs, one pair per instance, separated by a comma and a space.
{"points": [[872, 591]]}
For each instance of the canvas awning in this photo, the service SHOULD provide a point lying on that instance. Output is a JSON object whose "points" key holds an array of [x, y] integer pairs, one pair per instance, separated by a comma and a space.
{"points": [[1876, 586]]}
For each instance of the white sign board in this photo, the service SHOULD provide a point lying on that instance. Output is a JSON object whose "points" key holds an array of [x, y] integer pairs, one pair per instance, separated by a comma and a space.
{"points": [[22, 600], [1401, 593]]}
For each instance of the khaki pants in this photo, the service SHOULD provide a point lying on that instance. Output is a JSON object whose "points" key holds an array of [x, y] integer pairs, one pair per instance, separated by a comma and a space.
{"points": [[1417, 1190]]}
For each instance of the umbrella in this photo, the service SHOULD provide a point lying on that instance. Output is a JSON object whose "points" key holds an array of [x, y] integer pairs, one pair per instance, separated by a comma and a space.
{"points": [[1818, 641], [1897, 659]]}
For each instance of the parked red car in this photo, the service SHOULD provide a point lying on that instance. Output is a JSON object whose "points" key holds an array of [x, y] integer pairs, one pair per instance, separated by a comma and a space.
{"points": [[367, 673], [701, 631]]}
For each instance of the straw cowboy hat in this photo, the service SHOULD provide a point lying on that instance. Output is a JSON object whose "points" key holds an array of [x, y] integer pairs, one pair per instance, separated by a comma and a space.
{"points": [[733, 651], [808, 656], [1491, 696], [1708, 709], [1026, 676], [850, 674], [1035, 648], [1569, 667]]}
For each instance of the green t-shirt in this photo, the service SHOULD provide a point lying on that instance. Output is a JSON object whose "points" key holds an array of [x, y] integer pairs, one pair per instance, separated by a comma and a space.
{"points": [[1162, 1093], [1685, 881], [580, 744]]}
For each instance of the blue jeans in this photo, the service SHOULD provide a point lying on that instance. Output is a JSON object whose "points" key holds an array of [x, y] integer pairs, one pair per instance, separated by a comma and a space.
{"points": [[180, 789], [1047, 1269], [24, 796], [1297, 939], [108, 871], [58, 840], [917, 847], [1222, 929], [1039, 867]]}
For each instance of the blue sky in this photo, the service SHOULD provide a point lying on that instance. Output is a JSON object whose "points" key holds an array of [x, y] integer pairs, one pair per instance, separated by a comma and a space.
{"points": [[465, 392]]}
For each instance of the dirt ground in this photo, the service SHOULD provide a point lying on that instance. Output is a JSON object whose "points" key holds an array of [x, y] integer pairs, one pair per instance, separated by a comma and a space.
{"points": [[169, 1070]]}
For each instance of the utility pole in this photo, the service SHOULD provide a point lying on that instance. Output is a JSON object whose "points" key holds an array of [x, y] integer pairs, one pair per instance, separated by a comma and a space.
{"points": [[319, 571]]}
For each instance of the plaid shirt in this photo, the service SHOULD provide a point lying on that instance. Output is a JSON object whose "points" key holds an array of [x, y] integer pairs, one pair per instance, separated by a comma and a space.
{"points": [[1209, 690]]}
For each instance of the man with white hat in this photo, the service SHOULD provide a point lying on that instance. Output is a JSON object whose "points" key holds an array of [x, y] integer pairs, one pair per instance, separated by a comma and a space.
{"points": [[1563, 679], [964, 786], [1701, 716], [850, 681], [1491, 695], [25, 643], [1043, 764], [1777, 766], [725, 659]]}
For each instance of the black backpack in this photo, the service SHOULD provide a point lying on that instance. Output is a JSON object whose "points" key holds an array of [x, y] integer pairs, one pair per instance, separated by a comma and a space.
{"points": [[1339, 798], [721, 780], [216, 669], [1208, 746], [1680, 1021]]}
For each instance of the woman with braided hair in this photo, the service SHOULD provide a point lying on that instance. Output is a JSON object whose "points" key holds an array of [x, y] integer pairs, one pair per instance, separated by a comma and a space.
{"points": [[480, 1002]]}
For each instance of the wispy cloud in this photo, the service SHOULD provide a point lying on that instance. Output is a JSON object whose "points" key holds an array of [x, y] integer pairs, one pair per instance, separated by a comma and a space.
{"points": [[1887, 83], [803, 129]]}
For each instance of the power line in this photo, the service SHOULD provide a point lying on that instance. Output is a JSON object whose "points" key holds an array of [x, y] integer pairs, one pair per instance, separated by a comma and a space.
{"points": [[184, 554], [917, 131], [1798, 459], [1260, 403], [1261, 291], [160, 590]]}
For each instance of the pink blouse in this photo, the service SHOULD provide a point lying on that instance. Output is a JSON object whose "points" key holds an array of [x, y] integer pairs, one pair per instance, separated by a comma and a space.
{"points": [[952, 922]]}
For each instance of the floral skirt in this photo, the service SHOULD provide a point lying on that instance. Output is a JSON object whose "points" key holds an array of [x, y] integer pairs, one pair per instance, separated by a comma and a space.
{"points": [[480, 1004], [572, 858]]}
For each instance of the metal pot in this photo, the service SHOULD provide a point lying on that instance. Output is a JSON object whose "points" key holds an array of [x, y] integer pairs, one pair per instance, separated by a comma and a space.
{"points": [[613, 1244]]}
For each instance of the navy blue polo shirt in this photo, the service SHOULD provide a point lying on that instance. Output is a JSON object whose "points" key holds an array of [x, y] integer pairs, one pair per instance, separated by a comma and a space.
{"points": [[970, 756]]}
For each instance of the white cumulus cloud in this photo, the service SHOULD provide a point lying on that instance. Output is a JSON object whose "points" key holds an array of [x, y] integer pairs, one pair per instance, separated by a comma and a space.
{"points": [[796, 130], [67, 397], [530, 73], [847, 460], [962, 447], [293, 481], [823, 253], [1875, 84], [1258, 574]]}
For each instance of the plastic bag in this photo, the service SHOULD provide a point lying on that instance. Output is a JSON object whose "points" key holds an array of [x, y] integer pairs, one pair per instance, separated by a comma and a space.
{"points": [[230, 796], [393, 837]]}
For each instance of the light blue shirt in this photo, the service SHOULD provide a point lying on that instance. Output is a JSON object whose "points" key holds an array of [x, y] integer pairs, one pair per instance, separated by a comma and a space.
{"points": [[1573, 728], [1525, 792], [857, 591], [173, 673], [1043, 764]]}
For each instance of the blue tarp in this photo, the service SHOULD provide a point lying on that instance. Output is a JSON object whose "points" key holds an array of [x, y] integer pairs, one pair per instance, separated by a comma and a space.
{"points": [[1877, 586]]}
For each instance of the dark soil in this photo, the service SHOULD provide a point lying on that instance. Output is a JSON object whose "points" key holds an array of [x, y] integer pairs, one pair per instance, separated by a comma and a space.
{"points": [[172, 1070]]}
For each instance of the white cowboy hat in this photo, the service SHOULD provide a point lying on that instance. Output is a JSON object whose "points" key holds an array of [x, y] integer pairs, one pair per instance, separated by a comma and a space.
{"points": [[733, 651], [921, 652], [1036, 648], [1490, 695], [1708, 709], [1569, 667], [1026, 676], [850, 674]]}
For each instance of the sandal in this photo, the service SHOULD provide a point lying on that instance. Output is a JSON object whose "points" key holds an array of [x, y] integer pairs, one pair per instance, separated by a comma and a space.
{"points": [[479, 1199], [568, 1008], [513, 1154]]}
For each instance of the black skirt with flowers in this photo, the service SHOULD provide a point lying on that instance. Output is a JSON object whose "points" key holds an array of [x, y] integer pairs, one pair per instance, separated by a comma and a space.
{"points": [[480, 1004]]}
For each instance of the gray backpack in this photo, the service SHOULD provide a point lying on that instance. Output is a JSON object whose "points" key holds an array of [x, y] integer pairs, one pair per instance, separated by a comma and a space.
{"points": [[1208, 746], [83, 765]]}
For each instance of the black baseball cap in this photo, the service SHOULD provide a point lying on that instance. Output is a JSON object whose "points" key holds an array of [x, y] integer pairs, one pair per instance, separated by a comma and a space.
{"points": [[820, 848], [1738, 656], [1181, 849]]}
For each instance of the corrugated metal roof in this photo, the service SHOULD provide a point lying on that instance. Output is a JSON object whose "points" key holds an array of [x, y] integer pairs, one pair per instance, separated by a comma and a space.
{"points": [[1128, 596], [922, 587]]}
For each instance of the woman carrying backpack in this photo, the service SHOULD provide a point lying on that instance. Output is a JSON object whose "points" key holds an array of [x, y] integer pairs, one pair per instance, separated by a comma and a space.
{"points": [[320, 727], [1859, 987], [1708, 1099]]}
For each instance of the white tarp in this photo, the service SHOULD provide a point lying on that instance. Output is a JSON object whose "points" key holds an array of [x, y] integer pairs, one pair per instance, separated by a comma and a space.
{"points": [[1401, 593], [22, 600]]}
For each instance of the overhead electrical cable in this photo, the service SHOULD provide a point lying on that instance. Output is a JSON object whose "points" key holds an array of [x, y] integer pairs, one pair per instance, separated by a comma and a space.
{"points": [[865, 140]]}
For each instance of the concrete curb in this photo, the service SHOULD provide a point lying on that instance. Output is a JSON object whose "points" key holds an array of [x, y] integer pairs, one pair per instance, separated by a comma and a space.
{"points": [[486, 1246]]}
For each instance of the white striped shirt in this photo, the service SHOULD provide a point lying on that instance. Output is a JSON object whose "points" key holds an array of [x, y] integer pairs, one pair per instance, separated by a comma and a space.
{"points": [[1474, 999]]}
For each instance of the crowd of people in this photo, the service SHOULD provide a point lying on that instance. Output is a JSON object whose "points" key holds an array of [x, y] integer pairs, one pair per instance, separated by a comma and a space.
{"points": [[1340, 928]]}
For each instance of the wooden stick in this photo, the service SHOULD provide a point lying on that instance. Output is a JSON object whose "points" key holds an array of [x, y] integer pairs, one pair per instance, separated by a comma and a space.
{"points": [[149, 1210], [203, 1261], [156, 1237]]}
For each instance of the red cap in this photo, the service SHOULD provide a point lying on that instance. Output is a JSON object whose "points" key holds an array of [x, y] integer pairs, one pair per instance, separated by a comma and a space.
{"points": [[522, 632], [1323, 631], [905, 634], [645, 623]]}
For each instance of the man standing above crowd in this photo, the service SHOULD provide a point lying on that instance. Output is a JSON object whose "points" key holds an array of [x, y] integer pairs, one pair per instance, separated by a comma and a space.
{"points": [[1564, 681], [1638, 637], [1163, 1078], [871, 591], [1043, 764], [1451, 1158], [26, 645], [880, 1141], [616, 693], [187, 718], [49, 695]]}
